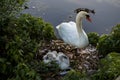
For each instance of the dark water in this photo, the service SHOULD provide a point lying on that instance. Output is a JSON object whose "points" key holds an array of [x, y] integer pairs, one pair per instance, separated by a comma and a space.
{"points": [[57, 11]]}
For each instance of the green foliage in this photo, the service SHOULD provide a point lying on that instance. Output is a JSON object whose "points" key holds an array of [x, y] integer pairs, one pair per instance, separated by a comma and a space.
{"points": [[10, 53], [104, 46], [19, 40], [47, 32], [23, 72], [37, 28], [111, 42], [43, 68], [115, 33], [109, 68], [93, 38], [75, 75], [10, 7]]}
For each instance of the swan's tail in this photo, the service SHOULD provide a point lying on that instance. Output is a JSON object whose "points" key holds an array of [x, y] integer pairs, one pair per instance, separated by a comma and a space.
{"points": [[57, 27]]}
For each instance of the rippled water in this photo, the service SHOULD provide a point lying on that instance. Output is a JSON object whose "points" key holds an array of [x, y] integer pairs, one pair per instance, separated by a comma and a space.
{"points": [[57, 11]]}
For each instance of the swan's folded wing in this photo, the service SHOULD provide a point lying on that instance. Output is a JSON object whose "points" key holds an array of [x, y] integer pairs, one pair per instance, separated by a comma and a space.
{"points": [[72, 23], [68, 32]]}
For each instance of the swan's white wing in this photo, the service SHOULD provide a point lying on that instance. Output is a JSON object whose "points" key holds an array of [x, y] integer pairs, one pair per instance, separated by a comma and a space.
{"points": [[72, 23], [68, 32]]}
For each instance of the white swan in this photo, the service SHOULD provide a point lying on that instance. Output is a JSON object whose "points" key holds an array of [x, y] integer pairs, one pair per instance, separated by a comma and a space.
{"points": [[72, 33], [63, 61]]}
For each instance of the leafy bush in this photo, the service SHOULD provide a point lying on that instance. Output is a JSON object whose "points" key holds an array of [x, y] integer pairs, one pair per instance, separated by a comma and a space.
{"points": [[36, 27], [115, 33], [75, 75], [104, 45], [45, 70], [19, 40], [109, 68], [111, 42], [93, 38], [20, 37], [24, 72], [10, 7]]}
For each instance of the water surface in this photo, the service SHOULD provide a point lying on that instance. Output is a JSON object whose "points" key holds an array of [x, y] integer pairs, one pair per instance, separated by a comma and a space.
{"points": [[57, 11]]}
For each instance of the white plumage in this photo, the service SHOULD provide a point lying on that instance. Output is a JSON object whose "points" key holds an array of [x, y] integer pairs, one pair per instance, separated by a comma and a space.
{"points": [[50, 56], [63, 61], [72, 33], [60, 58]]}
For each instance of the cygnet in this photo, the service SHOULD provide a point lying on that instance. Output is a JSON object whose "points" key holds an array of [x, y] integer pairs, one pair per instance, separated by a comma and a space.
{"points": [[50, 56], [63, 61]]}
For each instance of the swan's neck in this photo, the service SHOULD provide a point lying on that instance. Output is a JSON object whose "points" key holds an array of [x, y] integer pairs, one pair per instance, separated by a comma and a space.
{"points": [[79, 23]]}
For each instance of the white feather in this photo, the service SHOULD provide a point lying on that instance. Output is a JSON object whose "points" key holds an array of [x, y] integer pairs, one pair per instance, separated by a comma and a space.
{"points": [[50, 56], [72, 33], [63, 61]]}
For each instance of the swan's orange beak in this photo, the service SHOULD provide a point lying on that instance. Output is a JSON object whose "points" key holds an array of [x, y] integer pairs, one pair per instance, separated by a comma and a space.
{"points": [[88, 18]]}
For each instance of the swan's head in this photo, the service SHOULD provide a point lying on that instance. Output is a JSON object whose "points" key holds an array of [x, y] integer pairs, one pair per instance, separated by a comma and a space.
{"points": [[85, 14], [84, 9]]}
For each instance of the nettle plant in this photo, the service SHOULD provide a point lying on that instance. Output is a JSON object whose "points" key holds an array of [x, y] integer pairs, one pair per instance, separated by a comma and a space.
{"points": [[20, 38], [93, 38], [109, 67], [110, 42]]}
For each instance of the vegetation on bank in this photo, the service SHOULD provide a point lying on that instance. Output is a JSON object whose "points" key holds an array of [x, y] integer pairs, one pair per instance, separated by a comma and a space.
{"points": [[110, 42], [20, 38], [22, 34], [106, 43], [109, 68]]}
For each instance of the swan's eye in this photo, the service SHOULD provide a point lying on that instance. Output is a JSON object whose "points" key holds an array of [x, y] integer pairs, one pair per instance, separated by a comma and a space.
{"points": [[87, 16]]}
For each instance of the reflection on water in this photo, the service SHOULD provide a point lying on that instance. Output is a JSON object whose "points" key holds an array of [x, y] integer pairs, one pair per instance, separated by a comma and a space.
{"points": [[57, 11], [113, 2]]}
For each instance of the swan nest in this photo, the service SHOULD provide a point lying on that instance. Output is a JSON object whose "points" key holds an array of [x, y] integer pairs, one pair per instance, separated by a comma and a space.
{"points": [[81, 59]]}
